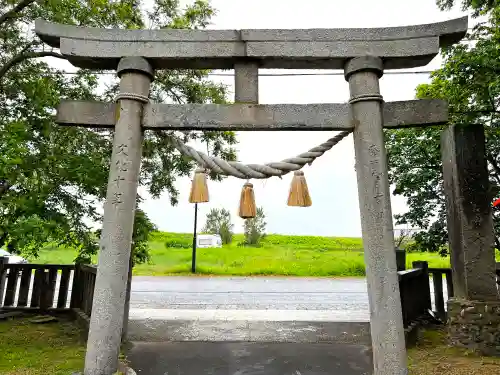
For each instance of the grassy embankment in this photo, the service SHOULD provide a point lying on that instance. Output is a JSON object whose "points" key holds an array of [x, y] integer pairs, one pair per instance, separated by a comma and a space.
{"points": [[279, 255], [57, 349]]}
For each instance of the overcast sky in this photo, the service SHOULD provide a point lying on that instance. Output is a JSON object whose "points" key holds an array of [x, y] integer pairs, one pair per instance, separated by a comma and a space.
{"points": [[331, 178]]}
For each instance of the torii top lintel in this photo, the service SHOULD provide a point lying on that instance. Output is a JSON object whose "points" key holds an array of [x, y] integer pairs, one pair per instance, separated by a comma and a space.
{"points": [[399, 47]]}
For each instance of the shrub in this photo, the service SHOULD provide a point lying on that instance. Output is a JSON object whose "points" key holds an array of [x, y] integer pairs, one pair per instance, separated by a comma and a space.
{"points": [[254, 229], [218, 221]]}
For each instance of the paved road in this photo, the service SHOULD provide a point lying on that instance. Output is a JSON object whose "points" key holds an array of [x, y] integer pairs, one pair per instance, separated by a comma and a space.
{"points": [[277, 309], [245, 293], [250, 298]]}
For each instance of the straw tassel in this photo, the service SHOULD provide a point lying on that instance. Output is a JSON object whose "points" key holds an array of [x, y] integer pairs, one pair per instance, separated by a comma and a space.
{"points": [[299, 193], [199, 187], [247, 202]]}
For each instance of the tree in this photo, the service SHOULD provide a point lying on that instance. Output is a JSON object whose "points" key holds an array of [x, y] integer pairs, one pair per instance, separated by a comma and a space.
{"points": [[52, 179], [477, 6], [255, 228], [218, 221], [402, 238], [469, 80]]}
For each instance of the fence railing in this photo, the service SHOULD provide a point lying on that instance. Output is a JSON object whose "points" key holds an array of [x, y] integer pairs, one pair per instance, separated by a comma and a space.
{"points": [[415, 293], [47, 287], [83, 289], [44, 287], [35, 286], [440, 296]]}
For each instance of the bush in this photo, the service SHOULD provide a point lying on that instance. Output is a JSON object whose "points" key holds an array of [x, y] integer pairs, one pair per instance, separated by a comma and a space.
{"points": [[254, 229], [218, 221], [179, 244], [173, 240]]}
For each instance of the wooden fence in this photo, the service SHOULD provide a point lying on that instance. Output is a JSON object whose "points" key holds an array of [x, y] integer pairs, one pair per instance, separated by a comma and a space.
{"points": [[50, 287], [44, 288], [83, 289], [416, 295]]}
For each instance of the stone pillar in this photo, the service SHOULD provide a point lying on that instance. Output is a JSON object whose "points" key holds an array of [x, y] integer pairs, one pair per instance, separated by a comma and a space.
{"points": [[387, 332], [475, 306], [246, 83], [106, 323], [469, 215]]}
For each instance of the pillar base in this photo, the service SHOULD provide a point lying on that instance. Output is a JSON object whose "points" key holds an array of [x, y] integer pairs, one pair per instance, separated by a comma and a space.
{"points": [[475, 325]]}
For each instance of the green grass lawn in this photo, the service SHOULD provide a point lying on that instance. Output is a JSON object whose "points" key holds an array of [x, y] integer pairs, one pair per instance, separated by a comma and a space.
{"points": [[433, 356], [40, 349], [279, 255]]}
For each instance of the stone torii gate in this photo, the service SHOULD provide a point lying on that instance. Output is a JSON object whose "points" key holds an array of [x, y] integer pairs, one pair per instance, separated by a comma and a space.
{"points": [[363, 54]]}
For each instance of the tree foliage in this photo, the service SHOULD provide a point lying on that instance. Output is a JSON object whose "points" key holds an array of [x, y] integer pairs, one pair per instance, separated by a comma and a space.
{"points": [[478, 7], [218, 221], [255, 228], [469, 80], [53, 179]]}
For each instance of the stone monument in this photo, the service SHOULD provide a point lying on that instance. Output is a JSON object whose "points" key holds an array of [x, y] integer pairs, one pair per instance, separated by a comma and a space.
{"points": [[474, 311], [363, 54]]}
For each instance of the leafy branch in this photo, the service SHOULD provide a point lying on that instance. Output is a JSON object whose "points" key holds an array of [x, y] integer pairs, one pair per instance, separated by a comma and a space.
{"points": [[25, 56], [14, 12]]}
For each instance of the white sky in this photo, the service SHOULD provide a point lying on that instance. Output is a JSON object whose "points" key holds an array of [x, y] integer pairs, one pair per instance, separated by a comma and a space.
{"points": [[331, 178]]}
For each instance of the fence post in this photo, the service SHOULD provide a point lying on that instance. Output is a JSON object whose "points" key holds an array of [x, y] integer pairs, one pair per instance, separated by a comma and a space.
{"points": [[400, 259], [44, 295], [437, 279], [76, 301], [3, 262], [426, 287]]}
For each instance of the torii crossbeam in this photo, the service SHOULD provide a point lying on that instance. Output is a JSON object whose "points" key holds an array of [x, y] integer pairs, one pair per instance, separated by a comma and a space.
{"points": [[363, 54]]}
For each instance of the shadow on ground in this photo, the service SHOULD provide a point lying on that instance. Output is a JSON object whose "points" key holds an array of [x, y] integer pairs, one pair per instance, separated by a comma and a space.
{"points": [[250, 348]]}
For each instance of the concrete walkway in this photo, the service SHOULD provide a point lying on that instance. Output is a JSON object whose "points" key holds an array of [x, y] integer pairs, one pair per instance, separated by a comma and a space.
{"points": [[249, 326], [249, 358]]}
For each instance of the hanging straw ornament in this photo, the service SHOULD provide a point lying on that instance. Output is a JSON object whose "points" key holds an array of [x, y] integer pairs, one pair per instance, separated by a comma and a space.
{"points": [[199, 187], [247, 202], [299, 193]]}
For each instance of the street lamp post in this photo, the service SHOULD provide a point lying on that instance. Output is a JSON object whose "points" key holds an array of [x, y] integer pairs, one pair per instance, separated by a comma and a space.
{"points": [[193, 258]]}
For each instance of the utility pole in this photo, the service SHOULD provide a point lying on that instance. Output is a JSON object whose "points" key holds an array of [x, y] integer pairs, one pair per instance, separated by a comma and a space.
{"points": [[193, 258]]}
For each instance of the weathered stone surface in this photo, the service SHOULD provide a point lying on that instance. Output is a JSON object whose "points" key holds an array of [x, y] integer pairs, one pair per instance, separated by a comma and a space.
{"points": [[106, 322], [475, 325], [51, 33], [397, 54], [246, 83], [87, 114], [253, 117], [387, 332], [450, 32], [400, 47], [469, 216]]}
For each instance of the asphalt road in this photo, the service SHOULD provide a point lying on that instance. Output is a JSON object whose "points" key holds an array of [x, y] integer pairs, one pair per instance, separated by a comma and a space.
{"points": [[249, 293]]}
